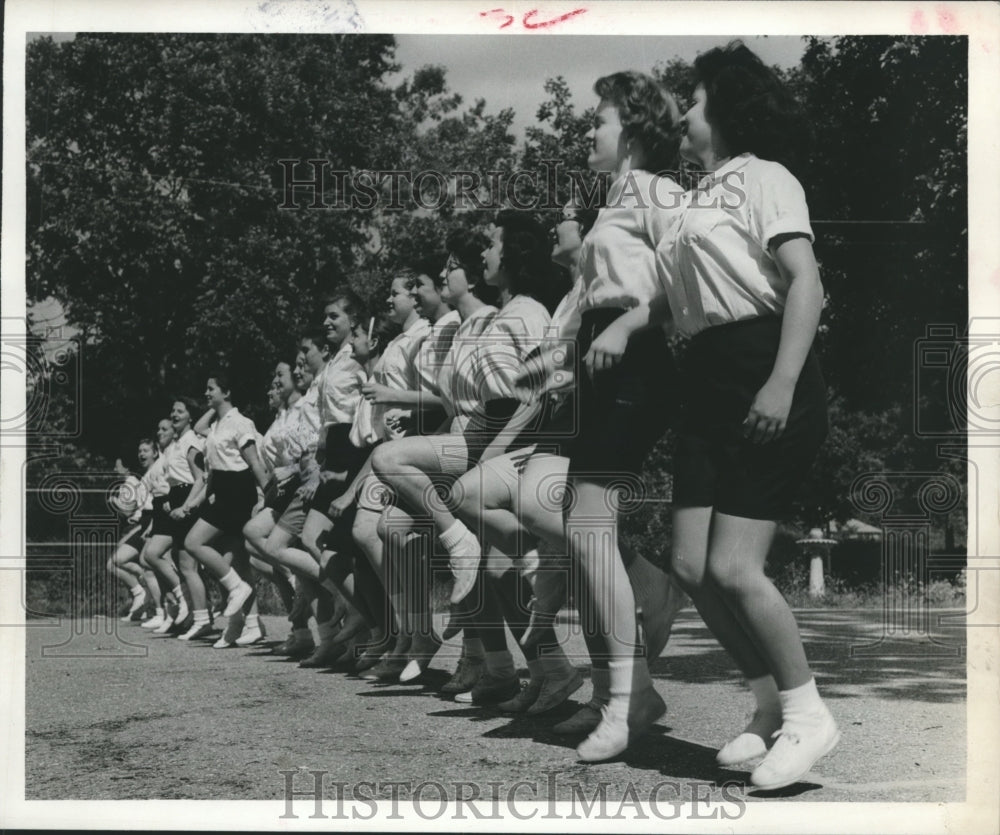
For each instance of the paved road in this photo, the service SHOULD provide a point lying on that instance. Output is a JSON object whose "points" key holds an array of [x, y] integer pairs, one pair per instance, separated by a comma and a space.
{"points": [[131, 715]]}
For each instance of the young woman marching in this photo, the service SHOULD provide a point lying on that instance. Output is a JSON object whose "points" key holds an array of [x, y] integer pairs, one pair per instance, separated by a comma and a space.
{"points": [[750, 296], [135, 502], [156, 553], [234, 474], [282, 468], [623, 410], [185, 473]]}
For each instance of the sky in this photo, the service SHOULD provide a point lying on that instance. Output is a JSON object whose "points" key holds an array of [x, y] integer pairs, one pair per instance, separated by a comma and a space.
{"points": [[509, 70]]}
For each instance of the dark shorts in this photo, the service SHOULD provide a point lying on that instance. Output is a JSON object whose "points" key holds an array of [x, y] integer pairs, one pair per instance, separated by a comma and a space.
{"points": [[624, 411], [279, 501], [341, 457], [162, 524], [136, 539], [714, 465], [231, 500], [179, 527]]}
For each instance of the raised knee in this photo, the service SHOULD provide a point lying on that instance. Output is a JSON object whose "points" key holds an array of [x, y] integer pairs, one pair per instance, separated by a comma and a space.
{"points": [[689, 574]]}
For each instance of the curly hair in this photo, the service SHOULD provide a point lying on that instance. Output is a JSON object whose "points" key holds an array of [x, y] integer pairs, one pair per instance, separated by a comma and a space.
{"points": [[525, 259], [748, 104], [648, 113]]}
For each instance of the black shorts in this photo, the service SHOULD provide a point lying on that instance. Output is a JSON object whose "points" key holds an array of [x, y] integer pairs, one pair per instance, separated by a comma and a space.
{"points": [[162, 524], [279, 501], [179, 527], [341, 457], [235, 494], [624, 411], [136, 538], [714, 465]]}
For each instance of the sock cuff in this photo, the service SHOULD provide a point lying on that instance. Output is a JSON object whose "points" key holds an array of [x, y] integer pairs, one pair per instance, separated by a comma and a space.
{"points": [[453, 535]]}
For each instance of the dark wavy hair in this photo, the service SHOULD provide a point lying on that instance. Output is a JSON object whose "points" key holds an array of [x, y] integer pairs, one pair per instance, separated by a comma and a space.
{"points": [[224, 381], [466, 246], [648, 114], [195, 409], [750, 107], [525, 259]]}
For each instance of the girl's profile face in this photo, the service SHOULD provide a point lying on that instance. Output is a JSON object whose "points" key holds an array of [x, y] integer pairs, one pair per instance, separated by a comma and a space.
{"points": [[493, 256], [283, 383], [609, 145], [698, 142], [425, 295], [164, 433], [302, 374], [401, 303], [146, 455], [215, 395], [455, 283], [180, 417], [337, 324], [362, 347]]}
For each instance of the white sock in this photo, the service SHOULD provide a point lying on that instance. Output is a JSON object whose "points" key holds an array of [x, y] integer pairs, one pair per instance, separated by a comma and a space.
{"points": [[801, 703], [200, 617], [459, 540], [765, 691], [500, 664], [137, 591], [252, 621], [159, 611], [178, 593], [231, 580]]}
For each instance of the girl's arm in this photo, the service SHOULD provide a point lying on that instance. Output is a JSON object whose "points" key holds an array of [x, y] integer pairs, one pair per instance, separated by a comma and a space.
{"points": [[608, 349], [386, 396], [249, 453], [204, 422], [769, 411]]}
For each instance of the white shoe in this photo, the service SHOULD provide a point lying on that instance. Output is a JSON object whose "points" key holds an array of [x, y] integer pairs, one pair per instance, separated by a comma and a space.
{"points": [[138, 601], [197, 630], [153, 622], [237, 597], [799, 744], [619, 729], [233, 631], [251, 635], [756, 738], [164, 627]]}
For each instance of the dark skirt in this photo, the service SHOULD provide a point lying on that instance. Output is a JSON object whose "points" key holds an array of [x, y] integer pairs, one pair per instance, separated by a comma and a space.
{"points": [[714, 465]]}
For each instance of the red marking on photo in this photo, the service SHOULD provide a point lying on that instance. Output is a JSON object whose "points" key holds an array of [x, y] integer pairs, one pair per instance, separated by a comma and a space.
{"points": [[918, 23], [946, 19], [546, 23]]}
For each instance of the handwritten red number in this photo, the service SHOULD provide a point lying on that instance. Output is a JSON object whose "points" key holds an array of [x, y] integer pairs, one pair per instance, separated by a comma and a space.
{"points": [[509, 18], [544, 23]]}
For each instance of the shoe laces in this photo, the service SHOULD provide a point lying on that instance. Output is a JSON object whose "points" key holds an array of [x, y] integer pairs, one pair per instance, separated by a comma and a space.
{"points": [[786, 733]]}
